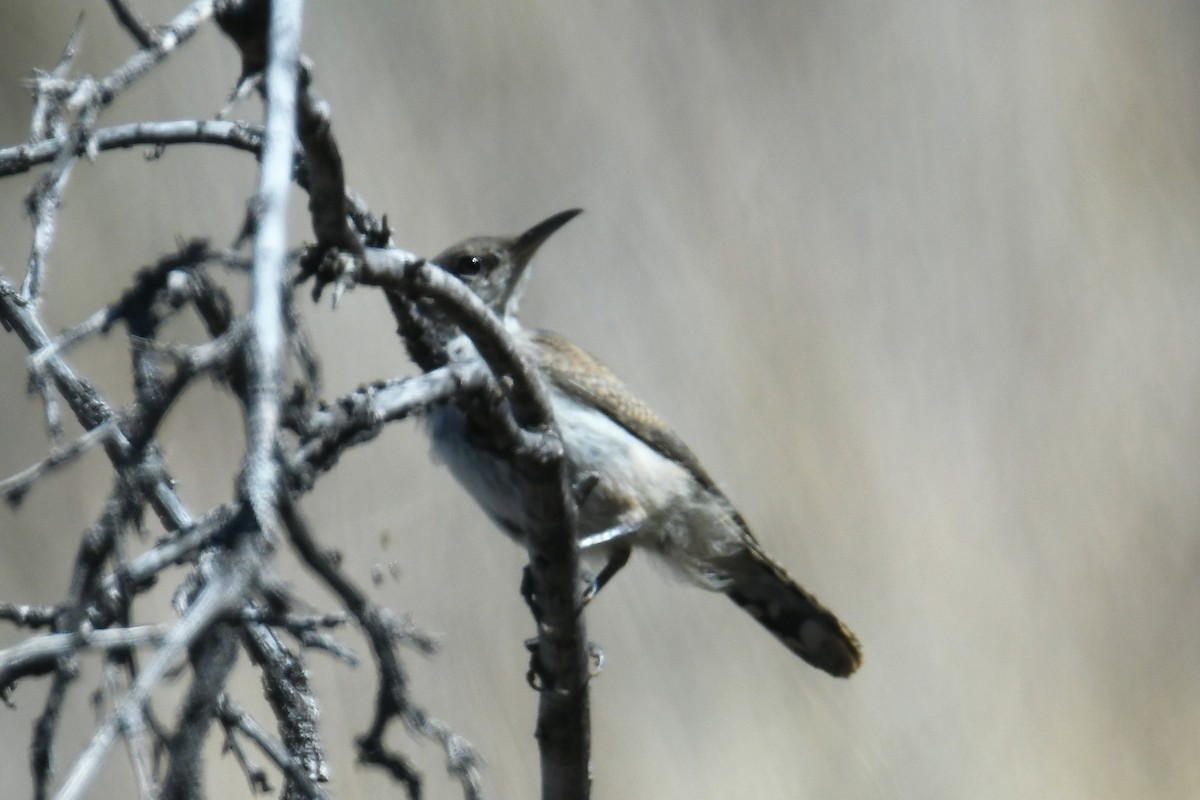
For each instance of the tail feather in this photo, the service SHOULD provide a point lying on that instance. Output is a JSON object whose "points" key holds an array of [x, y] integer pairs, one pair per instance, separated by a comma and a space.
{"points": [[795, 617]]}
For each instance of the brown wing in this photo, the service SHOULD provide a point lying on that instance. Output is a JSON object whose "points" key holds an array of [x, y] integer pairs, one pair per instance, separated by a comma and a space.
{"points": [[581, 376], [760, 585]]}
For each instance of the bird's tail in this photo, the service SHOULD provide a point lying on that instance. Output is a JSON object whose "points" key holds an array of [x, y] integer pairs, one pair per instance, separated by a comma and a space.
{"points": [[795, 617]]}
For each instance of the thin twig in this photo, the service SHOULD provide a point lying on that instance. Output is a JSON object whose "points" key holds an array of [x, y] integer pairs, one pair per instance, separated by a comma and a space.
{"points": [[14, 487], [43, 204], [29, 616], [169, 36], [135, 734], [132, 22], [216, 599], [360, 416], [256, 776], [233, 715], [392, 698], [47, 111], [396, 271], [237, 135], [90, 408], [149, 284]]}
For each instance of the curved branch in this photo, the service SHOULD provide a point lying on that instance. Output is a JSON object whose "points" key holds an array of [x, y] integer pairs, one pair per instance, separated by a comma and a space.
{"points": [[238, 135], [563, 728]]}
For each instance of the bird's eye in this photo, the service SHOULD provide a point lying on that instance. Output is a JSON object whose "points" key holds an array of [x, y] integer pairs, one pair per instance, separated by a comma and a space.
{"points": [[469, 265]]}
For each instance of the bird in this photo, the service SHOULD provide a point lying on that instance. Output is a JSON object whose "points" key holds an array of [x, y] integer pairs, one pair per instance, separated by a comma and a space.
{"points": [[637, 484]]}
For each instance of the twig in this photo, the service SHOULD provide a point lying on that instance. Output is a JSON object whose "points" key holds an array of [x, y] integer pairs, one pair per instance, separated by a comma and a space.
{"points": [[148, 285], [47, 114], [43, 202], [182, 546], [287, 690], [41, 651], [14, 487], [395, 271], [89, 407], [41, 748], [392, 698], [360, 416], [237, 135], [220, 596], [233, 715], [50, 407], [256, 776], [29, 616], [169, 36], [137, 741], [326, 179], [132, 22]]}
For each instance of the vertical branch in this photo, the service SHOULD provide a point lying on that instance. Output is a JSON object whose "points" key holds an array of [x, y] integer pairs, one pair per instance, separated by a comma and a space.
{"points": [[265, 347], [212, 659], [564, 713], [561, 660], [44, 200]]}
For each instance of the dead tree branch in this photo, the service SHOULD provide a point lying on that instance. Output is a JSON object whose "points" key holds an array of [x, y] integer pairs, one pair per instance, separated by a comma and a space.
{"points": [[228, 600]]}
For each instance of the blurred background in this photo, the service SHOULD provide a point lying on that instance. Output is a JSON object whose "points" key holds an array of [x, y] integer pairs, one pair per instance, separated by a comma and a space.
{"points": [[918, 282]]}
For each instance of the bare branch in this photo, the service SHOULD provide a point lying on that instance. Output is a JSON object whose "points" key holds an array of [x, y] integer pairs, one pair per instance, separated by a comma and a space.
{"points": [[132, 22], [136, 734], [360, 416], [561, 658], [392, 699], [14, 488], [233, 716], [169, 36], [221, 595], [264, 352], [29, 616], [179, 548], [249, 354], [396, 271], [47, 114], [238, 135], [43, 206], [326, 180], [40, 653], [41, 748], [287, 689], [212, 658], [88, 406], [256, 776]]}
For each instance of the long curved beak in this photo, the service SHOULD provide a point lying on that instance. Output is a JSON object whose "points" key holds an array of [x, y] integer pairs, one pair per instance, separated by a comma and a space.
{"points": [[528, 242], [523, 248]]}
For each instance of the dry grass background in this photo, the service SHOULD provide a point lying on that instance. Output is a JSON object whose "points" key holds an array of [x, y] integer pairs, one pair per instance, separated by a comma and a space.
{"points": [[918, 281]]}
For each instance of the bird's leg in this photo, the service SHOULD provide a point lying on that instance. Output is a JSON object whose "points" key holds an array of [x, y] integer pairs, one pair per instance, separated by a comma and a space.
{"points": [[614, 539], [618, 557]]}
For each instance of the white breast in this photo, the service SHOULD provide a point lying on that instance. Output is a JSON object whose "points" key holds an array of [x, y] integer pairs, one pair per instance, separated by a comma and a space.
{"points": [[674, 515]]}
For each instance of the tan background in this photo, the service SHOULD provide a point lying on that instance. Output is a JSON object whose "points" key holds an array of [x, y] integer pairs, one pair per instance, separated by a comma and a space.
{"points": [[918, 282]]}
